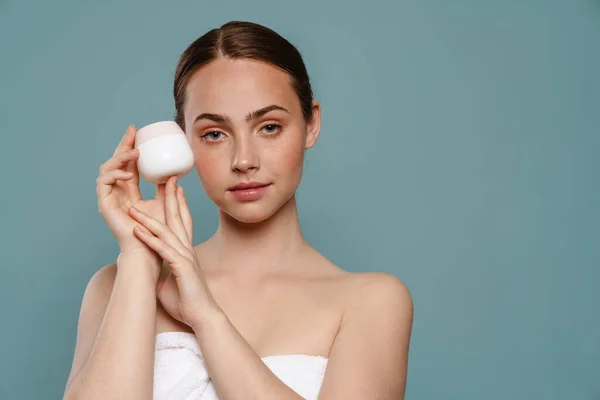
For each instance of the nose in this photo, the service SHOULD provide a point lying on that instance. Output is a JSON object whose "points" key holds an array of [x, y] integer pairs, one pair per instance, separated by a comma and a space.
{"points": [[245, 156]]}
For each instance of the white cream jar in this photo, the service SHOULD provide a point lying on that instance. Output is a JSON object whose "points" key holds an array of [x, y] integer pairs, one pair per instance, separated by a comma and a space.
{"points": [[164, 152]]}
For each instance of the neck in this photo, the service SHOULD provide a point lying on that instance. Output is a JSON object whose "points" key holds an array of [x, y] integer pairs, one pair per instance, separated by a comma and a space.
{"points": [[242, 248]]}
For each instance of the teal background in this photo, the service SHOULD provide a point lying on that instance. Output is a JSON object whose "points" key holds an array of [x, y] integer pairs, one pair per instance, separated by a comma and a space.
{"points": [[459, 152]]}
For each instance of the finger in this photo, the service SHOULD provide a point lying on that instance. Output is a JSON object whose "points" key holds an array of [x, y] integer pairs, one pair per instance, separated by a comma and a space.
{"points": [[172, 212], [124, 161], [105, 181], [133, 184], [186, 215], [168, 253], [126, 144], [160, 191], [119, 160], [160, 230], [127, 141]]}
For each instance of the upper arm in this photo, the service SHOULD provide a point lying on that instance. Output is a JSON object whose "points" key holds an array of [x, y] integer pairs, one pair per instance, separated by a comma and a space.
{"points": [[369, 356], [93, 306]]}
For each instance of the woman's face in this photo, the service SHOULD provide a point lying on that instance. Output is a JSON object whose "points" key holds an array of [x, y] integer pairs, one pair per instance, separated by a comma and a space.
{"points": [[245, 124]]}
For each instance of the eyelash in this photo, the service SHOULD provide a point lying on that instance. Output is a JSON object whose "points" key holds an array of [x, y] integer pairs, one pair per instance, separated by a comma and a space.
{"points": [[269, 134]]}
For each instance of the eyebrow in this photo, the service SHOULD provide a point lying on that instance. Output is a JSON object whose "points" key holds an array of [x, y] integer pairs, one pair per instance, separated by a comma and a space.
{"points": [[251, 116]]}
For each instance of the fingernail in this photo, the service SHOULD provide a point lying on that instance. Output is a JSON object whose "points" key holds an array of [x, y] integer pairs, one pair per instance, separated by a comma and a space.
{"points": [[132, 208]]}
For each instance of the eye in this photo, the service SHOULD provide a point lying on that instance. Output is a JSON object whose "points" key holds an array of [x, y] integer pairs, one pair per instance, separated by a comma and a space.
{"points": [[271, 129], [211, 136]]}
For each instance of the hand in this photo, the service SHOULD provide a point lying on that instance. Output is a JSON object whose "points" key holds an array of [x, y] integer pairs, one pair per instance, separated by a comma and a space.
{"points": [[117, 188], [183, 292]]}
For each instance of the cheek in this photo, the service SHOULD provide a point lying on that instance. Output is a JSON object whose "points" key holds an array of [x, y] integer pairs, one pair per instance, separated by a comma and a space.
{"points": [[290, 159], [208, 169]]}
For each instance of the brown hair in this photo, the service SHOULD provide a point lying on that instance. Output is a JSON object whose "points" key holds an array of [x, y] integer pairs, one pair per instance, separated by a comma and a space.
{"points": [[240, 39]]}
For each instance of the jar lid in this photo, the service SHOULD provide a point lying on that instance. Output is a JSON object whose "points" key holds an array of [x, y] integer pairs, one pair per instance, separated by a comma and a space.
{"points": [[155, 130]]}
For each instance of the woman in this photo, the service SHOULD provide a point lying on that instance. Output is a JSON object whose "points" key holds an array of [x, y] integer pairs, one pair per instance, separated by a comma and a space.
{"points": [[274, 319]]}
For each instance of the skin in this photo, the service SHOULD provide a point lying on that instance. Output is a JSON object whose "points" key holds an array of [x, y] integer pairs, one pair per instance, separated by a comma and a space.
{"points": [[279, 295], [258, 252]]}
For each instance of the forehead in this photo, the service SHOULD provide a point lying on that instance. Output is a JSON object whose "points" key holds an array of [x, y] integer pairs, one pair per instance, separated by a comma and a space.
{"points": [[236, 87]]}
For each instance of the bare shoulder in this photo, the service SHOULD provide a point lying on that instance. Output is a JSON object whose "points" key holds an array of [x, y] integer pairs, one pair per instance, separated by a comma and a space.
{"points": [[103, 279], [376, 292], [369, 356], [373, 291], [96, 296], [93, 306]]}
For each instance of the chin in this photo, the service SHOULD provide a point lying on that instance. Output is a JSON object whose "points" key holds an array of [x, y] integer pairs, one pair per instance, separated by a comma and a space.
{"points": [[248, 218], [251, 212], [247, 212]]}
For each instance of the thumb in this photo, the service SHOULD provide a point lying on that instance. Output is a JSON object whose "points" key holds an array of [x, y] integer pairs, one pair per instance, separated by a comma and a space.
{"points": [[161, 280], [166, 289]]}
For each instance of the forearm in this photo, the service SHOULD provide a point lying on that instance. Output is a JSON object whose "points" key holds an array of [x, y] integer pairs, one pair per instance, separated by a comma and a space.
{"points": [[236, 371], [121, 362]]}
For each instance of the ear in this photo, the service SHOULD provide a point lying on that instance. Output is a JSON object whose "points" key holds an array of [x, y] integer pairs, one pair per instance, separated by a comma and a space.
{"points": [[313, 127]]}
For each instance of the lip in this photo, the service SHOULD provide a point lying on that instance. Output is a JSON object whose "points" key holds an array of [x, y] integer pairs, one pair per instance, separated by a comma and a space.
{"points": [[249, 194], [248, 185]]}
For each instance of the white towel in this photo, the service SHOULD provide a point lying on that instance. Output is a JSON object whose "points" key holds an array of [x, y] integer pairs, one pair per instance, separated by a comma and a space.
{"points": [[180, 374]]}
